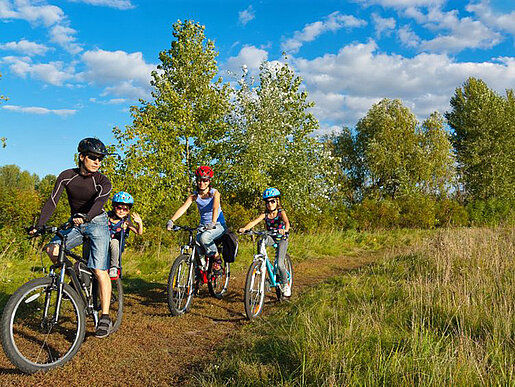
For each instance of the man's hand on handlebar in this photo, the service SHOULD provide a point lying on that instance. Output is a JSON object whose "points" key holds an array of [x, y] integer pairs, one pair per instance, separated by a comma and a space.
{"points": [[78, 219], [32, 230]]}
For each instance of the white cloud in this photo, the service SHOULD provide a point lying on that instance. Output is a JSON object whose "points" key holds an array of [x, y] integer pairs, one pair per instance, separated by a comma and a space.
{"points": [[39, 110], [402, 4], [485, 13], [25, 47], [383, 24], [310, 32], [463, 33], [246, 15], [63, 36], [408, 37], [124, 74], [118, 4], [346, 84], [112, 101], [249, 56], [48, 15], [54, 73], [453, 33]]}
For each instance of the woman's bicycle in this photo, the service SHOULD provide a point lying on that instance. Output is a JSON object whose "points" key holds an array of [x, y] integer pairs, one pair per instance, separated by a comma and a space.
{"points": [[262, 276], [43, 323], [190, 271]]}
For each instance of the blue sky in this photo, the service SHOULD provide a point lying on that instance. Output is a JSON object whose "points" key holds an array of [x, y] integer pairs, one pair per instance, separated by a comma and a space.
{"points": [[72, 68]]}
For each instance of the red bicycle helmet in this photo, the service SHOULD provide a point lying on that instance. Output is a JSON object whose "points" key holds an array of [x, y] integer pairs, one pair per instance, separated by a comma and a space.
{"points": [[204, 172]]}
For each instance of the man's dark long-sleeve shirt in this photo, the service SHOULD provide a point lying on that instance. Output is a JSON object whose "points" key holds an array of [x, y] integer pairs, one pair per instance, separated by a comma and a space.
{"points": [[86, 194]]}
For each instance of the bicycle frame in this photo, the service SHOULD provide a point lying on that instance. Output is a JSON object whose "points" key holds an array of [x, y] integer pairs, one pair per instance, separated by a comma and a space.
{"points": [[263, 256], [66, 267]]}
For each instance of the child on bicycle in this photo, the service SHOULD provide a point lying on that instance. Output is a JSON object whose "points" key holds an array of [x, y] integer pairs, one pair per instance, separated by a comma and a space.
{"points": [[211, 215], [275, 220], [119, 226]]}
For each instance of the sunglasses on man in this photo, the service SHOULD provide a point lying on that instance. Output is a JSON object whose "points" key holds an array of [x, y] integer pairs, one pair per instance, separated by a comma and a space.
{"points": [[122, 208], [271, 201], [95, 157]]}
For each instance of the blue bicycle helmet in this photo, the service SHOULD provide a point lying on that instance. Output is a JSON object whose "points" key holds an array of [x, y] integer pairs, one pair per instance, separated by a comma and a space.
{"points": [[271, 193], [123, 198]]}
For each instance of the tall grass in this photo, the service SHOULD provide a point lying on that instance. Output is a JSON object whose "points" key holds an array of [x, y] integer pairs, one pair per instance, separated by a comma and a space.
{"points": [[442, 314]]}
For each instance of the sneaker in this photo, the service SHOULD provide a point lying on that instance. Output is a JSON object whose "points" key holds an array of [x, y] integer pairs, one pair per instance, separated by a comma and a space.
{"points": [[286, 290], [104, 326], [113, 272]]}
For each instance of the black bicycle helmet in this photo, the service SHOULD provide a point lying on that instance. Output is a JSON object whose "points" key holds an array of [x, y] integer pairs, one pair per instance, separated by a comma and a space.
{"points": [[92, 145]]}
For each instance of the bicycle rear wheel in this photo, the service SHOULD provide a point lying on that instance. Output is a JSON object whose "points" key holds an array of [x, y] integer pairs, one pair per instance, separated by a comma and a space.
{"points": [[116, 306], [31, 340], [180, 285], [255, 290], [289, 270], [218, 284]]}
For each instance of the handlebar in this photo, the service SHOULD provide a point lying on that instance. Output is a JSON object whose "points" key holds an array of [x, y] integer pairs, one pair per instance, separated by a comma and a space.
{"points": [[176, 227], [52, 229], [264, 233]]}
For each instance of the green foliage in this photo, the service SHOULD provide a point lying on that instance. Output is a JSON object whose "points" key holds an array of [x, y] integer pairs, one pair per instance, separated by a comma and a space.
{"points": [[451, 213], [391, 155], [19, 201], [484, 140], [492, 212], [376, 214], [270, 142], [179, 129]]}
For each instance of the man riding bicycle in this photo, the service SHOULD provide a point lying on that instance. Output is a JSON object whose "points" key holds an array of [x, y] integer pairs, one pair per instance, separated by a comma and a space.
{"points": [[88, 190]]}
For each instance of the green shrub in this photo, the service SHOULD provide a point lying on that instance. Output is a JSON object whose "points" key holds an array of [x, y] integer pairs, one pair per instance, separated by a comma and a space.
{"points": [[491, 212]]}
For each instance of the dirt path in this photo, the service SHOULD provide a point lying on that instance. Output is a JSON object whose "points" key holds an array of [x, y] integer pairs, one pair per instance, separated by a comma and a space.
{"points": [[153, 348]]}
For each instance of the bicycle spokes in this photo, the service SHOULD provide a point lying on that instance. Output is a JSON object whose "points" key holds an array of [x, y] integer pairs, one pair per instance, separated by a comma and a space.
{"points": [[36, 336]]}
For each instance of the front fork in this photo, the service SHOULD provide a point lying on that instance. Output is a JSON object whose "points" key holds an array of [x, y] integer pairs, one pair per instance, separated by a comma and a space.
{"points": [[57, 283]]}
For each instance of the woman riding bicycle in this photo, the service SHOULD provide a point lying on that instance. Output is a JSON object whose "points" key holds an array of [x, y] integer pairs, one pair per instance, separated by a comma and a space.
{"points": [[276, 220], [211, 215]]}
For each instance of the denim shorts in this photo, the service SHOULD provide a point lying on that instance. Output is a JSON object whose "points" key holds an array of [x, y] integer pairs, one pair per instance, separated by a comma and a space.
{"points": [[98, 233]]}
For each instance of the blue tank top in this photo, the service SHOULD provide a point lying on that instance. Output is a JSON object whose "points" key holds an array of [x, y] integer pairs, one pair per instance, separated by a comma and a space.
{"points": [[205, 208]]}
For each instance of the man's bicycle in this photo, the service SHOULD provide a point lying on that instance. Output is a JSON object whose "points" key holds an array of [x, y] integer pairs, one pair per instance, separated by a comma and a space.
{"points": [[262, 276], [190, 270], [43, 323]]}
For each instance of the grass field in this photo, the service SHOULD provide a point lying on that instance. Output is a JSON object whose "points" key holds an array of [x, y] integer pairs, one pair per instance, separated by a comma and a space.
{"points": [[153, 263], [440, 313]]}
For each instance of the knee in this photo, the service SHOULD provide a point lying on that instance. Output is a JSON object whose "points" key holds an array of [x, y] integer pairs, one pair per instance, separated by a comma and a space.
{"points": [[205, 238], [100, 274]]}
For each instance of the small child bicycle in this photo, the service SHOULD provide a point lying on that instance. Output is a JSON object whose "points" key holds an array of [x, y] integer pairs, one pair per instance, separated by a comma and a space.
{"points": [[189, 271], [263, 276]]}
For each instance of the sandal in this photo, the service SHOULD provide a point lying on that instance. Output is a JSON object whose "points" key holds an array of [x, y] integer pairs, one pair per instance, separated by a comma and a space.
{"points": [[104, 326]]}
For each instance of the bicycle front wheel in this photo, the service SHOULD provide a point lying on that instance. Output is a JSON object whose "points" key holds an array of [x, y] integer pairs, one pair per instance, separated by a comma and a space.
{"points": [[31, 339], [255, 290], [218, 283], [180, 285]]}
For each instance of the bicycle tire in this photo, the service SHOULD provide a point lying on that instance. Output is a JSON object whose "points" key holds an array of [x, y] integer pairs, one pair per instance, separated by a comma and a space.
{"points": [[289, 270], [254, 290], [180, 285], [30, 341], [217, 284], [116, 306]]}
